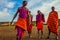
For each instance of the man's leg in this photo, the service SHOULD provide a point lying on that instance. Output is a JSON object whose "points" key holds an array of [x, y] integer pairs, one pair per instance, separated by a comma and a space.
{"points": [[57, 36], [38, 33], [17, 35], [20, 33], [16, 38], [49, 33], [29, 36], [29, 32], [20, 38], [41, 33]]}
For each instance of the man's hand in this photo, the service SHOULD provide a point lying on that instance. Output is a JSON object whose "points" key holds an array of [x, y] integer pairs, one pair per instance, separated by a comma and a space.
{"points": [[11, 22]]}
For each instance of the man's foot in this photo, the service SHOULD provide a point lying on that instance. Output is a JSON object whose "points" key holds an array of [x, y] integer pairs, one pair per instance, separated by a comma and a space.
{"points": [[41, 37], [29, 36], [57, 38], [47, 37]]}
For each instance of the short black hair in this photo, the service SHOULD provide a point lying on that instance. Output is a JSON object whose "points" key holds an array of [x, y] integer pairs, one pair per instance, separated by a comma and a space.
{"points": [[53, 7], [24, 2], [38, 11], [29, 11]]}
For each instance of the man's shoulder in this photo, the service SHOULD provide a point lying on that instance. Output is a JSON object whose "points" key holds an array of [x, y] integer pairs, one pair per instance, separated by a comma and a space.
{"points": [[27, 8], [42, 14], [23, 7], [50, 12], [19, 7], [56, 12], [37, 15], [53, 11]]}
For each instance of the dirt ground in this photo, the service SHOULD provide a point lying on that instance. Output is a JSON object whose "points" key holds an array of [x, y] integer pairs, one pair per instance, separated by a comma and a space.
{"points": [[9, 33]]}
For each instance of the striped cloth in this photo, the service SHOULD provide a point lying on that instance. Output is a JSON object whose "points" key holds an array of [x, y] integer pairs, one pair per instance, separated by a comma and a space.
{"points": [[52, 22]]}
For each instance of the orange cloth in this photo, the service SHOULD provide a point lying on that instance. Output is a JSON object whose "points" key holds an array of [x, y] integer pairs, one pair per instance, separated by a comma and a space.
{"points": [[40, 25], [39, 21], [21, 22], [52, 22]]}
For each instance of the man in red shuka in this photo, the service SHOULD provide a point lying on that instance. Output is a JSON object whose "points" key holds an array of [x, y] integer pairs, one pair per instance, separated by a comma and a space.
{"points": [[52, 22], [21, 24], [39, 22], [29, 23]]}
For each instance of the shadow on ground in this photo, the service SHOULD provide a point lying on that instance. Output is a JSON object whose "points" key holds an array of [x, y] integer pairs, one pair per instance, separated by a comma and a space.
{"points": [[9, 33]]}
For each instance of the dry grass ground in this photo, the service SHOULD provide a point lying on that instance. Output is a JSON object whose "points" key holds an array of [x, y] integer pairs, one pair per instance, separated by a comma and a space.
{"points": [[9, 33]]}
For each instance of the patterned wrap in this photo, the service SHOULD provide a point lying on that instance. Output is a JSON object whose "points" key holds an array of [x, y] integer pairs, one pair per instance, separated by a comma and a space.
{"points": [[52, 22]]}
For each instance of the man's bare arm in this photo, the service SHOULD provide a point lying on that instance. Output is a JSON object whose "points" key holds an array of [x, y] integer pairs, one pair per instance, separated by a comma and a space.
{"points": [[14, 16]]}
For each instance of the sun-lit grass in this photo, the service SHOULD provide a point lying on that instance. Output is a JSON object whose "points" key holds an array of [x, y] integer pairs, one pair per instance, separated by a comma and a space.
{"points": [[9, 33]]}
